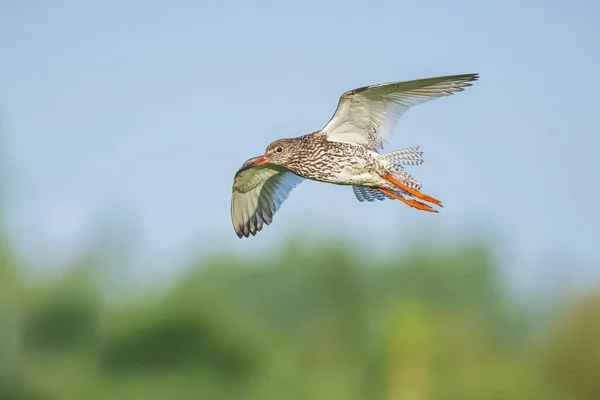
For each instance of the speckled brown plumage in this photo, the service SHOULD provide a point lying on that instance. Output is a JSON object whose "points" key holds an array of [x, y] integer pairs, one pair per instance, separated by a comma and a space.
{"points": [[314, 157]]}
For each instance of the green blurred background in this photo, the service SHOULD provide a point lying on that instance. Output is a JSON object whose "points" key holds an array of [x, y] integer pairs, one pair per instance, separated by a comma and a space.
{"points": [[311, 321]]}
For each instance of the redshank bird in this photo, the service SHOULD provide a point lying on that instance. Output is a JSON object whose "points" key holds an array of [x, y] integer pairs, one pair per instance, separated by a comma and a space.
{"points": [[344, 152]]}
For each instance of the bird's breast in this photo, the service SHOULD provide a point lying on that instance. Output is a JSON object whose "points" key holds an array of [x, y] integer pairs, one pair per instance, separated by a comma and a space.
{"points": [[344, 165]]}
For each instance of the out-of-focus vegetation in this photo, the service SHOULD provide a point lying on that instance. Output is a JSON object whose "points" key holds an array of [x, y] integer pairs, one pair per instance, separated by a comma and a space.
{"points": [[320, 322]]}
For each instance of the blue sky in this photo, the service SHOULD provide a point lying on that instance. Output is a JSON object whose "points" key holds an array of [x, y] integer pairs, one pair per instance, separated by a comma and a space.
{"points": [[143, 112]]}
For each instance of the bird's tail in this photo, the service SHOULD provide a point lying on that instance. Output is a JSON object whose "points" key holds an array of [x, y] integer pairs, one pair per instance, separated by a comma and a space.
{"points": [[406, 156], [404, 184], [399, 158]]}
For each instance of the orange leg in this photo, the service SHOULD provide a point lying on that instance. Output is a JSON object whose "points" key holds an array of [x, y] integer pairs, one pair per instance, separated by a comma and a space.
{"points": [[414, 192], [413, 203]]}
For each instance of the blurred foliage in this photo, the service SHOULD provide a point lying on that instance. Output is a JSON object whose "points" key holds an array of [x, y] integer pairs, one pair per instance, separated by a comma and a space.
{"points": [[311, 322]]}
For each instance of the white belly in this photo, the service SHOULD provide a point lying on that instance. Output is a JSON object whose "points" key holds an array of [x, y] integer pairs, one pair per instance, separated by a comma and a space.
{"points": [[360, 173]]}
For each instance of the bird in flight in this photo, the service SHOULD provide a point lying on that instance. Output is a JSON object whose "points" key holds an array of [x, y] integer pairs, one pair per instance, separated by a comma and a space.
{"points": [[344, 152]]}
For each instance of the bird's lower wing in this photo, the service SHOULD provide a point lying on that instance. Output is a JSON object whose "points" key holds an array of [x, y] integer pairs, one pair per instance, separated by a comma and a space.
{"points": [[257, 194], [363, 193]]}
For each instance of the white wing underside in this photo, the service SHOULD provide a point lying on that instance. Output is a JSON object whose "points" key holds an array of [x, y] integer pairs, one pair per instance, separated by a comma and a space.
{"points": [[368, 115], [257, 195]]}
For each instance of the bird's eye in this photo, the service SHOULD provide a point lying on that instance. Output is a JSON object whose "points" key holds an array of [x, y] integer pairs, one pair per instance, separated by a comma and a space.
{"points": [[279, 149]]}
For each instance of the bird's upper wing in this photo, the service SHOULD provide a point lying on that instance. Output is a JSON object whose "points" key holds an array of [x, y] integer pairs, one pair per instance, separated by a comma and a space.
{"points": [[257, 194], [369, 114]]}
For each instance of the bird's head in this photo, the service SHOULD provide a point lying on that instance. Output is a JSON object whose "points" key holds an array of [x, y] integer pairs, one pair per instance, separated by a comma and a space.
{"points": [[277, 153]]}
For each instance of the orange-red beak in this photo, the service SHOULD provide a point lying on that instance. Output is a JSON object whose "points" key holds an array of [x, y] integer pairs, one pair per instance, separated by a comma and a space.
{"points": [[260, 161]]}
